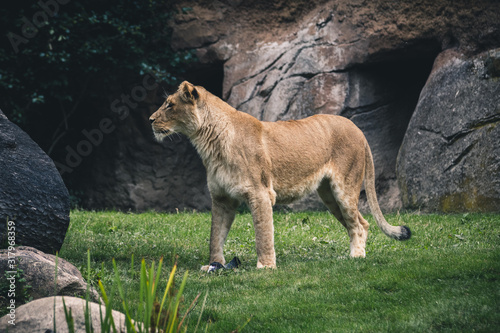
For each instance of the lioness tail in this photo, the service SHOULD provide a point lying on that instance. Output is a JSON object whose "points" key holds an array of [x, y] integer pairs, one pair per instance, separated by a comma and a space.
{"points": [[396, 232]]}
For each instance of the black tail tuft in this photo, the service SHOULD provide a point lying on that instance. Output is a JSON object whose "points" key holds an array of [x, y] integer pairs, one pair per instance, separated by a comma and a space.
{"points": [[405, 233]]}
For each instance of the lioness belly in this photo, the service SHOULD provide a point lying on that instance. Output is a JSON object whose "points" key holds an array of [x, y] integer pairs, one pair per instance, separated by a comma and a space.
{"points": [[294, 189]]}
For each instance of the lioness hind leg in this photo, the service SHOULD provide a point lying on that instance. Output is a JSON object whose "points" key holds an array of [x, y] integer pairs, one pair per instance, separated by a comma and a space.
{"points": [[326, 195], [362, 235], [345, 209], [357, 228]]}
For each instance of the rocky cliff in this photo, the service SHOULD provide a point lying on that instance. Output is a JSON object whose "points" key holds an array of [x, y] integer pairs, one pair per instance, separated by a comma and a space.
{"points": [[379, 63]]}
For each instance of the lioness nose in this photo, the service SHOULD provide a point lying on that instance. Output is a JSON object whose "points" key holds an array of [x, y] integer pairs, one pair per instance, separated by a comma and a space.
{"points": [[151, 119]]}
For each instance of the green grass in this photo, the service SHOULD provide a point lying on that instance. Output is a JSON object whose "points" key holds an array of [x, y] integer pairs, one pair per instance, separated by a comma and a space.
{"points": [[446, 278]]}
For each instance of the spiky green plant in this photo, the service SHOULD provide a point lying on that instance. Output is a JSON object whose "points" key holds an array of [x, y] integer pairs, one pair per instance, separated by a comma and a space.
{"points": [[150, 315]]}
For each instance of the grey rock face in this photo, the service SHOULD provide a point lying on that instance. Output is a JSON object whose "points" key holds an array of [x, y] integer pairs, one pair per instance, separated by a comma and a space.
{"points": [[450, 157], [38, 316], [32, 193], [365, 60], [39, 271]]}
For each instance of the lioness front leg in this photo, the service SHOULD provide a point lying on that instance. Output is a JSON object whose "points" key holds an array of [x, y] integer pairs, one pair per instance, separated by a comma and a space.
{"points": [[262, 212], [223, 213]]}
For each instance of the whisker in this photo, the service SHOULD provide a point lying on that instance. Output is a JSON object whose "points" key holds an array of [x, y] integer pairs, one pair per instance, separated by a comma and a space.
{"points": [[165, 94], [179, 138]]}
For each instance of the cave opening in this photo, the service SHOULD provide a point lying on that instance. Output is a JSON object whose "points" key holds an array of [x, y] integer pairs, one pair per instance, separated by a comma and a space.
{"points": [[393, 84], [388, 94]]}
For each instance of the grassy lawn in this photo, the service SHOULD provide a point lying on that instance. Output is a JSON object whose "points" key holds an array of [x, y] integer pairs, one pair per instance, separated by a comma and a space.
{"points": [[445, 278]]}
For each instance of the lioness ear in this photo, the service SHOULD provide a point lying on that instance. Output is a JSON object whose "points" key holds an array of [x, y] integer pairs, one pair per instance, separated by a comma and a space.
{"points": [[188, 92]]}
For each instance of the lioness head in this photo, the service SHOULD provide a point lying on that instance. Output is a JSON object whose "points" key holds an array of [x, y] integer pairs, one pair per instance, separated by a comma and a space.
{"points": [[179, 113]]}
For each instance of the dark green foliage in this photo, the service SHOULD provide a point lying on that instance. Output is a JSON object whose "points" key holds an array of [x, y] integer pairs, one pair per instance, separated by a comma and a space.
{"points": [[57, 64]]}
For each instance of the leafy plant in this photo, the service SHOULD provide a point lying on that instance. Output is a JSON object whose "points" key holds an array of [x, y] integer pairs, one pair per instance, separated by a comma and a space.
{"points": [[150, 315]]}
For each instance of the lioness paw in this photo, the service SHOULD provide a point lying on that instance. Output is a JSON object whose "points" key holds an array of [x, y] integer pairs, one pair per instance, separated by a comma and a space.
{"points": [[260, 265], [358, 253]]}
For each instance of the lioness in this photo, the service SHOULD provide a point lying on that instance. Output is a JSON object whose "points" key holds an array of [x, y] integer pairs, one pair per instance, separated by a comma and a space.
{"points": [[263, 163]]}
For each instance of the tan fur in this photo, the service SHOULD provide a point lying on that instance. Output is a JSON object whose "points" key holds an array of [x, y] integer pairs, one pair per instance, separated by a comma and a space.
{"points": [[263, 163]]}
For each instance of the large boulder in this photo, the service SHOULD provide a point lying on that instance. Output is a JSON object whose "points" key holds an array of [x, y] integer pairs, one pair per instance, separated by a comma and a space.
{"points": [[39, 272], [450, 157], [32, 193], [38, 316]]}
